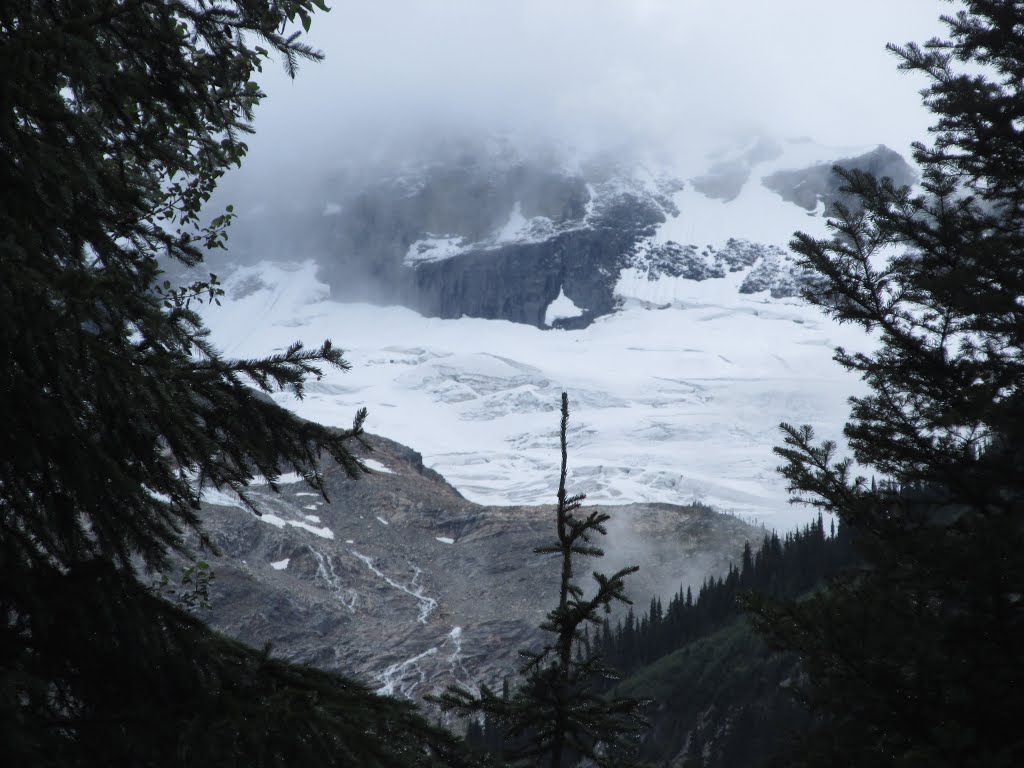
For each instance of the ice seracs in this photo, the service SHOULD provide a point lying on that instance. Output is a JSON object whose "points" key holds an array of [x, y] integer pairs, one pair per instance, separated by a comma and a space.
{"points": [[672, 404]]}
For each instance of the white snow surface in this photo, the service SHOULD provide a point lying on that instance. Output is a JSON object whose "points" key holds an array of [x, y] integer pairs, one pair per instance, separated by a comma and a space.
{"points": [[227, 498], [280, 565], [280, 522], [222, 498], [434, 248], [517, 226], [675, 404], [517, 229], [378, 466], [561, 308]]}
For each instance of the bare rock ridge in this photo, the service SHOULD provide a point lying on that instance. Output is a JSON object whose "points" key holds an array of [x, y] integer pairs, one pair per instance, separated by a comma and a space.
{"points": [[818, 185], [726, 178], [403, 583]]}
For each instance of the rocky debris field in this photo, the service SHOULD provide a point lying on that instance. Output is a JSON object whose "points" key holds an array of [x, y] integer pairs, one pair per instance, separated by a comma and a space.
{"points": [[401, 582]]}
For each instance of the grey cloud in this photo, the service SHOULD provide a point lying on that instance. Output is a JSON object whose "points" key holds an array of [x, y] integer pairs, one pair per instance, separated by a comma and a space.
{"points": [[665, 75]]}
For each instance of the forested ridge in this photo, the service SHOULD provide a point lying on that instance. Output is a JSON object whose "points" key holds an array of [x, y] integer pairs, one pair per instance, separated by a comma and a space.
{"points": [[715, 684], [785, 567]]}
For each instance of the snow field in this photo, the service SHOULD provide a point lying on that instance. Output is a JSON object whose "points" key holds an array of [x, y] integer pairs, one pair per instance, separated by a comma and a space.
{"points": [[672, 405]]}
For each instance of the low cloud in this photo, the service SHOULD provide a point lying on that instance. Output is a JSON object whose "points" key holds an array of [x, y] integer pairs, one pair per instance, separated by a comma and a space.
{"points": [[668, 77]]}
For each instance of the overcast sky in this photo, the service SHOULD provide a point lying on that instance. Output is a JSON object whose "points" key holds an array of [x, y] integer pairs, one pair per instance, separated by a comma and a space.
{"points": [[660, 75]]}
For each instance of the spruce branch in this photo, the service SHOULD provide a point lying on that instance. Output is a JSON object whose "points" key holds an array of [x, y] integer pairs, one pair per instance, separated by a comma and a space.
{"points": [[556, 710]]}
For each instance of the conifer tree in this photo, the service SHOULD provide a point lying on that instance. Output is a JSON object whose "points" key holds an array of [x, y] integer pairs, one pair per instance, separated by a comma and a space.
{"points": [[916, 659], [117, 118], [557, 716]]}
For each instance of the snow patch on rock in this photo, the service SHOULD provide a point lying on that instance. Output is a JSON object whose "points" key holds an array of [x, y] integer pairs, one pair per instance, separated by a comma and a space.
{"points": [[280, 522], [434, 248], [562, 308]]}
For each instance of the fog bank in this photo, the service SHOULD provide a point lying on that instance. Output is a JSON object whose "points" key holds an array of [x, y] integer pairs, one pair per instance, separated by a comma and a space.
{"points": [[672, 78]]}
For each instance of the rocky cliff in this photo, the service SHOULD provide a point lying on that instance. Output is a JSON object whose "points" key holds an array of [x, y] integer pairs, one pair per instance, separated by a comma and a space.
{"points": [[401, 582], [541, 241]]}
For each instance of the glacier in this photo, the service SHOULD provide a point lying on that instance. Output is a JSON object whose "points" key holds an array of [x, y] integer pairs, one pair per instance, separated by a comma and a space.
{"points": [[676, 397], [677, 386]]}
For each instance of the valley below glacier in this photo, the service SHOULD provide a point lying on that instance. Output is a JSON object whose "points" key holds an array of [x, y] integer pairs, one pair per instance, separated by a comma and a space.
{"points": [[467, 296]]}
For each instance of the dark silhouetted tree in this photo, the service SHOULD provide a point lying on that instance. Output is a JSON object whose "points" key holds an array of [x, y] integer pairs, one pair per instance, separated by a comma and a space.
{"points": [[557, 715], [916, 659], [117, 118]]}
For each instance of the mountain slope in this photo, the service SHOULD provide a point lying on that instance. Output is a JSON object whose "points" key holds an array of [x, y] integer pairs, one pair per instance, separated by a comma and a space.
{"points": [[486, 231], [723, 696], [401, 582]]}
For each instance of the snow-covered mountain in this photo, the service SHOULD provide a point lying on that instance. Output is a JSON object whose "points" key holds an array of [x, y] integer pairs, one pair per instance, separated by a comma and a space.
{"points": [[664, 303], [486, 231]]}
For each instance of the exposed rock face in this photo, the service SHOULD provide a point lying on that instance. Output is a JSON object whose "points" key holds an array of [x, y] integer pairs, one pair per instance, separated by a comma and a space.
{"points": [[403, 583], [807, 187], [674, 260], [498, 236], [778, 273], [725, 178]]}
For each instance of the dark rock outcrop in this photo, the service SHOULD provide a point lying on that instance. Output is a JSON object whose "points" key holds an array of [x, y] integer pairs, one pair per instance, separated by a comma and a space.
{"points": [[770, 268], [571, 238], [495, 237], [778, 273], [807, 187]]}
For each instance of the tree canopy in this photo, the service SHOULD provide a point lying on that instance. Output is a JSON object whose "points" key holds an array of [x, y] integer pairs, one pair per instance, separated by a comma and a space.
{"points": [[117, 118], [915, 658], [558, 714]]}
